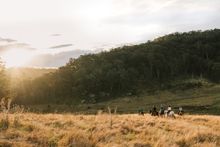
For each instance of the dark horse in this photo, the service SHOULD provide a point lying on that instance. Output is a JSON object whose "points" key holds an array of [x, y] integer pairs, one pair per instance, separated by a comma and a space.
{"points": [[154, 113], [180, 112]]}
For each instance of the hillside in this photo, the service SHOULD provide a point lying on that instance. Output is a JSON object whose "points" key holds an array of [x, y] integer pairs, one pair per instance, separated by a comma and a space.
{"points": [[174, 61], [54, 130]]}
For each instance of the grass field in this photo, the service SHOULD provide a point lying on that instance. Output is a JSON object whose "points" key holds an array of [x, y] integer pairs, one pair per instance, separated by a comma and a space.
{"points": [[72, 128], [205, 100], [105, 130]]}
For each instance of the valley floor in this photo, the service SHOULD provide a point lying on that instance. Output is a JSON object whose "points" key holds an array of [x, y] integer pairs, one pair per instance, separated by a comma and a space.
{"points": [[205, 100], [104, 130]]}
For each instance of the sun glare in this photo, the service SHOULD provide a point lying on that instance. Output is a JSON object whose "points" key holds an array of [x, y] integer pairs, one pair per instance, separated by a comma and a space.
{"points": [[17, 57]]}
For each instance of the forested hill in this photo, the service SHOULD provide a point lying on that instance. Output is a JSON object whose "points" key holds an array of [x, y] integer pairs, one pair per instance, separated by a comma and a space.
{"points": [[129, 70]]}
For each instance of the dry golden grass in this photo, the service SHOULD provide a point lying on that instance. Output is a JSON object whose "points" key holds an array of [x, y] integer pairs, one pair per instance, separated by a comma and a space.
{"points": [[52, 130]]}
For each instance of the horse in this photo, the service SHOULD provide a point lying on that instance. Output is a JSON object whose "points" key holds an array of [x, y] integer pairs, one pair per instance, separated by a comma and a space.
{"points": [[180, 112], [161, 112], [170, 114], [141, 112], [154, 113]]}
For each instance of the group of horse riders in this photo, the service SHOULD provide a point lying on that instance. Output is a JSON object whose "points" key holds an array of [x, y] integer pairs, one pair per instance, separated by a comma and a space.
{"points": [[162, 111]]}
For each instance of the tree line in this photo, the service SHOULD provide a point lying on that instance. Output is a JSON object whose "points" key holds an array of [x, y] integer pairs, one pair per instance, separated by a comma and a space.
{"points": [[127, 70]]}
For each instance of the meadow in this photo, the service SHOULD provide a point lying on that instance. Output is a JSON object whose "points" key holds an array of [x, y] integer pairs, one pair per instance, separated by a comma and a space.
{"points": [[204, 100], [108, 130]]}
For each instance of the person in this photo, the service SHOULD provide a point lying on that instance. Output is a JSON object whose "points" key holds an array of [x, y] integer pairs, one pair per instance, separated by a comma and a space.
{"points": [[154, 111], [169, 109], [141, 111], [180, 111], [154, 108], [161, 112]]}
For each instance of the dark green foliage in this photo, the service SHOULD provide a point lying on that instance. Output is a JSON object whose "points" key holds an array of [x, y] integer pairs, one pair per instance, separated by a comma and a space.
{"points": [[128, 70]]}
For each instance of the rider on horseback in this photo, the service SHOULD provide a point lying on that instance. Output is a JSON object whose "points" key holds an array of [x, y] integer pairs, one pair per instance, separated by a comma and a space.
{"points": [[154, 108], [180, 112], [141, 111], [154, 111], [169, 109], [161, 111]]}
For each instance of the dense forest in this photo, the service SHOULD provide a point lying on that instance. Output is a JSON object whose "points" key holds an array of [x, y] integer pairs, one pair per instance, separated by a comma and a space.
{"points": [[127, 70]]}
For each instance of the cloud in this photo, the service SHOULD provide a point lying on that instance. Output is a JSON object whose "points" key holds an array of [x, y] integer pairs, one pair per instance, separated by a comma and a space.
{"points": [[166, 13], [7, 44], [149, 19], [56, 60], [6, 40], [55, 35], [59, 59], [61, 46]]}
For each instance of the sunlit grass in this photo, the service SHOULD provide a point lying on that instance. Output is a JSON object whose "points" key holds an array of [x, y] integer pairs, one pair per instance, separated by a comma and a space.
{"points": [[96, 130]]}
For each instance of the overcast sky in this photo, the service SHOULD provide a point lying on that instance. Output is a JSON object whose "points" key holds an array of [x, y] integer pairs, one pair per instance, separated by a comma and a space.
{"points": [[55, 30]]}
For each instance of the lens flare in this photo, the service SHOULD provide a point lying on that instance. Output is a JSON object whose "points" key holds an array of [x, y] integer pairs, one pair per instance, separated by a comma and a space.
{"points": [[17, 57]]}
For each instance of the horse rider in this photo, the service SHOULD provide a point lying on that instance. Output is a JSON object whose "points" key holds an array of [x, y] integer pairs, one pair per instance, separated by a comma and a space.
{"points": [[154, 108], [141, 111], [169, 109], [180, 112], [161, 112], [154, 111]]}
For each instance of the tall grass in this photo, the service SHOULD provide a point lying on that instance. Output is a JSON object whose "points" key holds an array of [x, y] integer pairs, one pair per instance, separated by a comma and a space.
{"points": [[4, 107], [66, 130]]}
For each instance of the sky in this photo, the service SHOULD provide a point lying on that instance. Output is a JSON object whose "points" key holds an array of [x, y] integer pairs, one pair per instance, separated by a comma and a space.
{"points": [[46, 33]]}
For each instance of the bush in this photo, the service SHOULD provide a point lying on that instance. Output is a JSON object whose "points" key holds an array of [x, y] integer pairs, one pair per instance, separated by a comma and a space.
{"points": [[190, 83]]}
